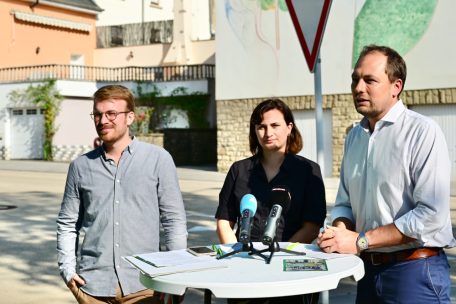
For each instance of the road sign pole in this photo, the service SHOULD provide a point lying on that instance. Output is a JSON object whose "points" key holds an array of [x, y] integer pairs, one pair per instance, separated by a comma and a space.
{"points": [[319, 115], [302, 13]]}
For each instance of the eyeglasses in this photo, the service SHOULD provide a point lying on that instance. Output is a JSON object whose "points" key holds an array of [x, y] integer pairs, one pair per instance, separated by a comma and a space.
{"points": [[110, 115]]}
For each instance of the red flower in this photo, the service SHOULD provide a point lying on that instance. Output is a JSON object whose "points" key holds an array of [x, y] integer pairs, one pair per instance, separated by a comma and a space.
{"points": [[141, 116]]}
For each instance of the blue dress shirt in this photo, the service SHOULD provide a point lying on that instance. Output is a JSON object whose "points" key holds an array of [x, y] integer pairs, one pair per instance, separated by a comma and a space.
{"points": [[399, 173], [118, 210]]}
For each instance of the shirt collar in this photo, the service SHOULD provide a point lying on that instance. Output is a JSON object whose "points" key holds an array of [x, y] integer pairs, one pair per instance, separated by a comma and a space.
{"points": [[392, 116], [286, 165], [394, 113], [256, 163], [130, 148]]}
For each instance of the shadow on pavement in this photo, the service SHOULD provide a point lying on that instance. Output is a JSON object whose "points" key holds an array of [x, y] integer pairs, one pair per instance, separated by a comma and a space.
{"points": [[28, 242]]}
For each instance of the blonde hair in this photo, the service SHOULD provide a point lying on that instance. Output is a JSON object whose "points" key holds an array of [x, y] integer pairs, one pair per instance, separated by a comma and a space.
{"points": [[115, 91]]}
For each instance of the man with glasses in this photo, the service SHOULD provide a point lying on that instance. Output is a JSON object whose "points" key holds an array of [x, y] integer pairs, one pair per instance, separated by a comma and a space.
{"points": [[116, 196]]}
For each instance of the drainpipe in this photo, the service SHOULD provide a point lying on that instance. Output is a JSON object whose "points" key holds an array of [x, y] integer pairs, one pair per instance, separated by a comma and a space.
{"points": [[180, 49], [143, 29]]}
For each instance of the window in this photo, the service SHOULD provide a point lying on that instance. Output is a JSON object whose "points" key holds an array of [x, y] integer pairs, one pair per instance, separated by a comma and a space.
{"points": [[18, 112], [116, 35], [31, 111]]}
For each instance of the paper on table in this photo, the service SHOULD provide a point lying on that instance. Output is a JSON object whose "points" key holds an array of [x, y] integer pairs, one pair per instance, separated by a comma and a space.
{"points": [[171, 258], [146, 262], [313, 251]]}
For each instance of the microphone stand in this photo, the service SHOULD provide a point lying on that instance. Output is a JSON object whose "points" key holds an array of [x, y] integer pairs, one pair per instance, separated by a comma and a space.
{"points": [[275, 247], [246, 247]]}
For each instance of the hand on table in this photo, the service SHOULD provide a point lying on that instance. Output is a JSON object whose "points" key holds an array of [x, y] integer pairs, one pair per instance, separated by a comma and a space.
{"points": [[337, 239]]}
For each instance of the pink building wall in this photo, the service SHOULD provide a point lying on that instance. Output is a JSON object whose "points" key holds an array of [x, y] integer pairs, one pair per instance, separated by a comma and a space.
{"points": [[28, 43]]}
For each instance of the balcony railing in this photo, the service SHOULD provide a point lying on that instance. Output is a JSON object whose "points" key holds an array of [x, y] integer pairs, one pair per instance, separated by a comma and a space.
{"points": [[90, 73]]}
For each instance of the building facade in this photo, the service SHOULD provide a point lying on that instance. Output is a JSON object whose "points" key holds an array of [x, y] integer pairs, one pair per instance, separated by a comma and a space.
{"points": [[75, 43], [259, 57]]}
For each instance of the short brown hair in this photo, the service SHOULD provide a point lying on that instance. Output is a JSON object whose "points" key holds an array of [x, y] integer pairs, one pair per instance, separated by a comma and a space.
{"points": [[395, 64], [115, 91], [294, 141]]}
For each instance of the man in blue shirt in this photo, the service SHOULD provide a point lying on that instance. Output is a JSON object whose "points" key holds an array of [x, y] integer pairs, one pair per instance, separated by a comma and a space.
{"points": [[392, 206], [116, 196]]}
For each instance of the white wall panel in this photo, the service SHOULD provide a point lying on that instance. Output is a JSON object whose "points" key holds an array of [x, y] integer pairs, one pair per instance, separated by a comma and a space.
{"points": [[445, 116], [305, 121]]}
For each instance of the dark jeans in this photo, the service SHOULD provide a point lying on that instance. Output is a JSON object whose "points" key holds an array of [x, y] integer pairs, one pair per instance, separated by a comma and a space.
{"points": [[418, 281]]}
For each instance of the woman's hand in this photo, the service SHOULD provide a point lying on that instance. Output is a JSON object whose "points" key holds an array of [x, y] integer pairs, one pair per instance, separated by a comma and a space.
{"points": [[225, 232]]}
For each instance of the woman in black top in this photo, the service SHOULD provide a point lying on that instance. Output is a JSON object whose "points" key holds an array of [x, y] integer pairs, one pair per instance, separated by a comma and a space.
{"points": [[274, 141]]}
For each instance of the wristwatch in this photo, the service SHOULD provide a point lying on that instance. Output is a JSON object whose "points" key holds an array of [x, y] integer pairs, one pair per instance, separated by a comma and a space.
{"points": [[361, 242]]}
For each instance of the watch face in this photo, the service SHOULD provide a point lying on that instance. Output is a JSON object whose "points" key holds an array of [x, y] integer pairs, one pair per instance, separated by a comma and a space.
{"points": [[362, 243]]}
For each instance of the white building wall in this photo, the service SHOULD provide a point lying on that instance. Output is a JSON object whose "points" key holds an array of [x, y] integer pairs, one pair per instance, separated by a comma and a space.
{"points": [[5, 119], [306, 123], [75, 127], [75, 130], [200, 20], [259, 54], [432, 62], [118, 12], [445, 116], [192, 40], [132, 11]]}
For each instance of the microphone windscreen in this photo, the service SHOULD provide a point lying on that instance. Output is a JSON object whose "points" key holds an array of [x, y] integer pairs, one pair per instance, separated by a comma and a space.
{"points": [[248, 202], [281, 196]]}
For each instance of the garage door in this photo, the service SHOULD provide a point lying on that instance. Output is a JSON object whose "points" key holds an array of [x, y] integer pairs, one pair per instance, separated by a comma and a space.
{"points": [[445, 116], [305, 120], [27, 132]]}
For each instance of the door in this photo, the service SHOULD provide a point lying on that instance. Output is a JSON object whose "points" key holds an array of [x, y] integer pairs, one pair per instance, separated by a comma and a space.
{"points": [[306, 123], [77, 66], [27, 133], [445, 116]]}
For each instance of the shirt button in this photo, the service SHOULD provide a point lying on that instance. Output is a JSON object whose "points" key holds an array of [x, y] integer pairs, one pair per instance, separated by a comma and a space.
{"points": [[117, 202], [117, 245], [118, 180], [117, 223], [117, 266]]}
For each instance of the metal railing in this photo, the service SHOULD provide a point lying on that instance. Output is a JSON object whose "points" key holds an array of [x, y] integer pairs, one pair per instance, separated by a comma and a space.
{"points": [[91, 73]]}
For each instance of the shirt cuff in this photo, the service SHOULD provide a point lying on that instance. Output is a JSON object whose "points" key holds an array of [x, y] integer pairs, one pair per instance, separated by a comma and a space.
{"points": [[342, 212], [67, 275], [410, 227]]}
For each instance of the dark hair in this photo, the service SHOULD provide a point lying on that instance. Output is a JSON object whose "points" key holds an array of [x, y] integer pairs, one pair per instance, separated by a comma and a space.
{"points": [[395, 64], [294, 141], [115, 91]]}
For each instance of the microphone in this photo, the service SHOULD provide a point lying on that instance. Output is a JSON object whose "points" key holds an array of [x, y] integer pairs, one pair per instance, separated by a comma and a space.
{"points": [[280, 198], [248, 209]]}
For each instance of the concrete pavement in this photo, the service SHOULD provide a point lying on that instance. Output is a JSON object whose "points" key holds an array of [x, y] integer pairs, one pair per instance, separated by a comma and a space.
{"points": [[30, 195]]}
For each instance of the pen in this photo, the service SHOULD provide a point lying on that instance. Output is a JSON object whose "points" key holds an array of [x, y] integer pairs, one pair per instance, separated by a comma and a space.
{"points": [[144, 260]]}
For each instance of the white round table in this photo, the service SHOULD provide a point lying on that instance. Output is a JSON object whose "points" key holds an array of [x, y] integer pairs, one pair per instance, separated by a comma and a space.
{"points": [[249, 276]]}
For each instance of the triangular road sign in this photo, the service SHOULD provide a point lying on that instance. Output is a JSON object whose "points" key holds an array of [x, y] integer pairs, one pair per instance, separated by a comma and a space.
{"points": [[309, 19]]}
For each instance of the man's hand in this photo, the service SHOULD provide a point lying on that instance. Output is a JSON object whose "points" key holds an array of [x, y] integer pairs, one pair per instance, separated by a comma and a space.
{"points": [[337, 239], [75, 283]]}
